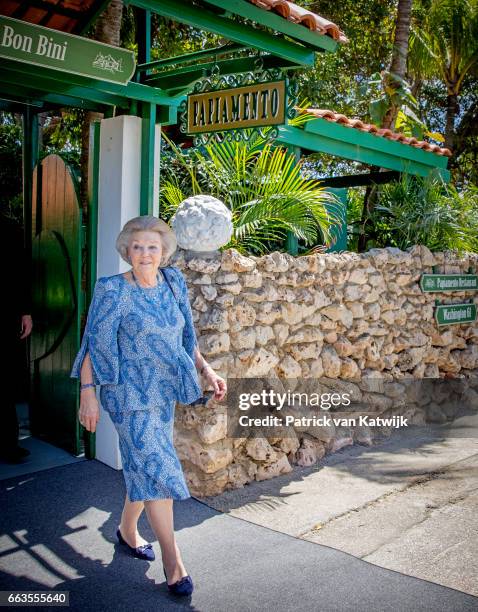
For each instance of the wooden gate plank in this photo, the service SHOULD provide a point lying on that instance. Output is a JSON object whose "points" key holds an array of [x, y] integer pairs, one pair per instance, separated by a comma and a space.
{"points": [[57, 223]]}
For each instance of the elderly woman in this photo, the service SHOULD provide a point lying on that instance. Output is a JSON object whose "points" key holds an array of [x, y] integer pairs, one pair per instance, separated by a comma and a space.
{"points": [[140, 346]]}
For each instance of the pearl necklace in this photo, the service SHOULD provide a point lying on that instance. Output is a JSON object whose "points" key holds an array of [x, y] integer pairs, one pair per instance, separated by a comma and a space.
{"points": [[146, 297]]}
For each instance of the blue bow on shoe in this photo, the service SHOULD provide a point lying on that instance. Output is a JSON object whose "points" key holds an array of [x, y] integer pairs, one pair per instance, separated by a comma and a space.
{"points": [[145, 552], [183, 586]]}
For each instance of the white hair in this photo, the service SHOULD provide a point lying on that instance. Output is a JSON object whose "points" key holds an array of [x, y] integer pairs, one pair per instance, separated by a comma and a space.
{"points": [[147, 223]]}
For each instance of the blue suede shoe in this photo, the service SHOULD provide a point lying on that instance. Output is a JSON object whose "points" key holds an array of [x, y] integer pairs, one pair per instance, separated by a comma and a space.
{"points": [[183, 586], [145, 552]]}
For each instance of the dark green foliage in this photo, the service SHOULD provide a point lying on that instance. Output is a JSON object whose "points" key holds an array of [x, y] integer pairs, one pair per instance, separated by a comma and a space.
{"points": [[11, 199], [425, 211], [61, 134]]}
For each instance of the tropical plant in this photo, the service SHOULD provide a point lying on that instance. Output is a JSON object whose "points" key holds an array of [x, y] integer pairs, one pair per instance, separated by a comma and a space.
{"points": [[415, 210], [355, 197], [445, 46], [11, 198], [393, 105], [260, 183]]}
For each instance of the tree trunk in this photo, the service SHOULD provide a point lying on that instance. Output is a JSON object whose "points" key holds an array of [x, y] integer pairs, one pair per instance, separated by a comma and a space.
{"points": [[369, 203], [108, 26], [398, 65], [402, 33], [107, 30], [451, 113]]}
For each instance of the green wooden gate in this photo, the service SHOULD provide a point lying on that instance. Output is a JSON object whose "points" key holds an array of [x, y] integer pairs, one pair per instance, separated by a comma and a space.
{"points": [[57, 302]]}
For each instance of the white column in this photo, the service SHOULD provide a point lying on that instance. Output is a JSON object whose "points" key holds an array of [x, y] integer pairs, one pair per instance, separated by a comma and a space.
{"points": [[118, 201]]}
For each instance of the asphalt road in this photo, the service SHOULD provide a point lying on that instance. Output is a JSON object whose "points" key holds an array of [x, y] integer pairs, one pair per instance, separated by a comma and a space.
{"points": [[57, 532]]}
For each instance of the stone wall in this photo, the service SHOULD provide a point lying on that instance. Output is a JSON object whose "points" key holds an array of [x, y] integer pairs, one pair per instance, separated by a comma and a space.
{"points": [[346, 319]]}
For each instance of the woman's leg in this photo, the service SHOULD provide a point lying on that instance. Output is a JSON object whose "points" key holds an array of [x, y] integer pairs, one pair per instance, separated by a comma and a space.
{"points": [[129, 523], [160, 516]]}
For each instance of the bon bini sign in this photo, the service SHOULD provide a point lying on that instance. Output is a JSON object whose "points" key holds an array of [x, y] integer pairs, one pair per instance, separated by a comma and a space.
{"points": [[250, 106], [32, 44]]}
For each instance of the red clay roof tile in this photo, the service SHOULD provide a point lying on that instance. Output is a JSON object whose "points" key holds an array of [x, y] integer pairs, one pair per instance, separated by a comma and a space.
{"points": [[329, 115], [297, 14]]}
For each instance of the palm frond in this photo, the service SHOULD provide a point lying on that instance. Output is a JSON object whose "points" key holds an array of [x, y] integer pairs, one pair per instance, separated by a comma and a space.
{"points": [[262, 184]]}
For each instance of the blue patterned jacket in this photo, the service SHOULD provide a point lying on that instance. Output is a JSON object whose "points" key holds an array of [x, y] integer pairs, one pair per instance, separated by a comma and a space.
{"points": [[141, 343]]}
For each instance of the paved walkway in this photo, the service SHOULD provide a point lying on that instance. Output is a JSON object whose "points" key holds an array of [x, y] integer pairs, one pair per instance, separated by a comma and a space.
{"points": [[58, 530], [409, 504]]}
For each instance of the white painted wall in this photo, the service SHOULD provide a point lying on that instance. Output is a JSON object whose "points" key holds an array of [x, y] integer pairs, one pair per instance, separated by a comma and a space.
{"points": [[118, 201]]}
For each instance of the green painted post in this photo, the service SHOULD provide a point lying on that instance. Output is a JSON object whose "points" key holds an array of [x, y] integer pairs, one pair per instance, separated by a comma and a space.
{"points": [[143, 36], [148, 115], [93, 176], [339, 231], [148, 131], [291, 241], [110, 112], [91, 245]]}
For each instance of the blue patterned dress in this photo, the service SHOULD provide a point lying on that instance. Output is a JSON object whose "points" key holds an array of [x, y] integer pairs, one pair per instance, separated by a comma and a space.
{"points": [[141, 344]]}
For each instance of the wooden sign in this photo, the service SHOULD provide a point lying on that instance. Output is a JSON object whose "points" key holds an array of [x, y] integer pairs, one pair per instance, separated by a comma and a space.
{"points": [[251, 106], [453, 314], [448, 282]]}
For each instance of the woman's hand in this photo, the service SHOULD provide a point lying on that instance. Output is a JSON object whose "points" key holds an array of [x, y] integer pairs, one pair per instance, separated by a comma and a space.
{"points": [[89, 413], [217, 383], [27, 325]]}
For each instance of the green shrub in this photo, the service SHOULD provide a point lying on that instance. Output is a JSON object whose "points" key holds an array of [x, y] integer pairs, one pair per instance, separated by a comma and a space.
{"points": [[414, 210]]}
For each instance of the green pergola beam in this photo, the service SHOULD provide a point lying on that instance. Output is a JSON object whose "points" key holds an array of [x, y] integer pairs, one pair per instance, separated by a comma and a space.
{"points": [[144, 93], [11, 103], [335, 131], [113, 94], [42, 88], [320, 135], [276, 22], [201, 18], [190, 57], [363, 152], [32, 97], [182, 77]]}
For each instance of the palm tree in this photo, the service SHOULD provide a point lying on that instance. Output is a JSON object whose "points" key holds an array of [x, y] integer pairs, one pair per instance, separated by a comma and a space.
{"points": [[398, 65], [263, 187], [446, 47], [394, 86]]}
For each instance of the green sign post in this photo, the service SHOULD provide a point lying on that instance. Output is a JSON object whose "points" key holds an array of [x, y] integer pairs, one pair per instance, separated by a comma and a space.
{"points": [[454, 314], [448, 282], [33, 44]]}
